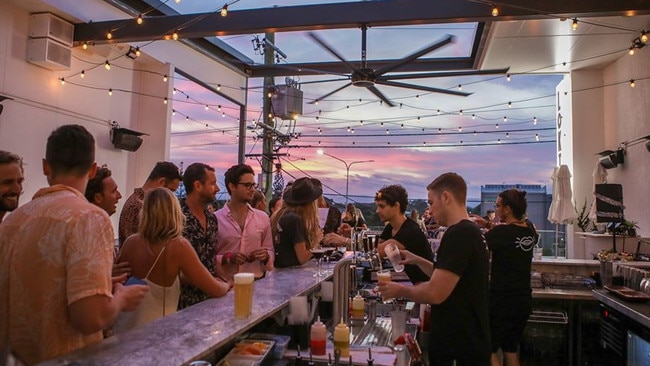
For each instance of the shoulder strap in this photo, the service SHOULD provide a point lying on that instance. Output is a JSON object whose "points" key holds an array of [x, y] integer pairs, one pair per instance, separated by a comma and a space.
{"points": [[155, 262]]}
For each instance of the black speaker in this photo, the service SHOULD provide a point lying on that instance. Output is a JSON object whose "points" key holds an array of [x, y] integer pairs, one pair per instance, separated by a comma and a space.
{"points": [[125, 139], [610, 159]]}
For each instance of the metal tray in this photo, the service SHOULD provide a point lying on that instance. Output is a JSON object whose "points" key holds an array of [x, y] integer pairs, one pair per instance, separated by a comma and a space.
{"points": [[627, 293]]}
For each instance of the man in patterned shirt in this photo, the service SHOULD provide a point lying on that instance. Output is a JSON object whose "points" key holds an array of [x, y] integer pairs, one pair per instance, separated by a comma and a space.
{"points": [[56, 254], [200, 228], [164, 174]]}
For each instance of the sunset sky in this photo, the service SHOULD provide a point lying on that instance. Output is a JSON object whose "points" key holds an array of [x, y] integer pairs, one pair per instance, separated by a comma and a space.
{"points": [[422, 137]]}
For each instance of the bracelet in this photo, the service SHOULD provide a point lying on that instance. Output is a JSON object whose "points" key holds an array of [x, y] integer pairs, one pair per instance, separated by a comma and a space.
{"points": [[227, 257]]}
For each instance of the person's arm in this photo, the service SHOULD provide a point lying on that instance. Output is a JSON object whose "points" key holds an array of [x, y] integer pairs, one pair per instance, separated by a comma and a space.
{"points": [[302, 254], [422, 263], [381, 248], [195, 272], [98, 312], [436, 291]]}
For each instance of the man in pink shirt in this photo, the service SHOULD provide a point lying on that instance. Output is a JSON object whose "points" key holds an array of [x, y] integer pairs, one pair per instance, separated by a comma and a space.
{"points": [[244, 242]]}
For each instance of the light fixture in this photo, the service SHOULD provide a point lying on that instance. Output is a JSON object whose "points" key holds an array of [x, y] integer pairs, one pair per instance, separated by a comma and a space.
{"points": [[644, 36], [131, 53], [62, 81], [631, 52], [509, 104], [137, 52], [495, 11], [574, 24], [82, 74], [110, 92], [224, 10], [107, 65], [508, 77], [175, 36], [109, 35], [139, 20], [611, 159], [218, 87], [165, 78], [632, 85], [534, 120], [84, 45], [536, 137]]}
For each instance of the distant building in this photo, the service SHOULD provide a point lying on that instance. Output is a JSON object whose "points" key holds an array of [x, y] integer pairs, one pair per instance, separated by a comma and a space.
{"points": [[539, 201]]}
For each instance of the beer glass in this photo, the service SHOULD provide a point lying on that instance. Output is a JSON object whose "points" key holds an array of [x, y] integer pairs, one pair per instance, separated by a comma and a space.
{"points": [[392, 252], [384, 276], [243, 294]]}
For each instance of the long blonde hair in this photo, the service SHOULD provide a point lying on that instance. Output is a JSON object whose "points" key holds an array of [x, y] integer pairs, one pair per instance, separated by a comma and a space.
{"points": [[308, 214], [161, 217]]}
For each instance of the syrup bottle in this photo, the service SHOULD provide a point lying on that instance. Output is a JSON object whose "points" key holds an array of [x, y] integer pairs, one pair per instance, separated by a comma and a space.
{"points": [[342, 339], [317, 338]]}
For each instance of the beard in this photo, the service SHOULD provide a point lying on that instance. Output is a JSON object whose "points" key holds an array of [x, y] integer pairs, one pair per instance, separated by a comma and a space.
{"points": [[7, 203]]}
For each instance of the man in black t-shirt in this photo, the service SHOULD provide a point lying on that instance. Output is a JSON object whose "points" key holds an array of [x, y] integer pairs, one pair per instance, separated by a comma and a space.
{"points": [[458, 288], [391, 204]]}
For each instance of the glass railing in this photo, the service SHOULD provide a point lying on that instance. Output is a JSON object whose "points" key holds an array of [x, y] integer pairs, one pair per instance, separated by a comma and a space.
{"points": [[553, 243]]}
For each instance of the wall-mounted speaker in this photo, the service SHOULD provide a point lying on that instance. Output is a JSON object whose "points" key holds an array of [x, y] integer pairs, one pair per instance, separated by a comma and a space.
{"points": [[125, 139], [49, 54], [611, 159], [47, 25]]}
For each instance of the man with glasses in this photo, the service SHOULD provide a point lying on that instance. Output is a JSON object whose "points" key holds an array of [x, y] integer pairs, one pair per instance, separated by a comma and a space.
{"points": [[244, 241]]}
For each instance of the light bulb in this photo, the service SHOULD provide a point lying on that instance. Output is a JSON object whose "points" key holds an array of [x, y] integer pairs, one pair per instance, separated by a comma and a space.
{"points": [[173, 112], [505, 119], [218, 87], [178, 1], [316, 102], [495, 11], [165, 78], [460, 87], [206, 107], [175, 36], [473, 116], [137, 52], [632, 85], [534, 120], [85, 46], [224, 10], [83, 74], [508, 77], [219, 108], [497, 126], [509, 104], [165, 100], [536, 137], [62, 81], [644, 37], [109, 35], [574, 25], [460, 113], [110, 92], [139, 20], [107, 65], [631, 51]]}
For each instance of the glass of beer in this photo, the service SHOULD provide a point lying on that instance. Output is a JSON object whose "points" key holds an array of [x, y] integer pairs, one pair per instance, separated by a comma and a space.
{"points": [[243, 294], [384, 276]]}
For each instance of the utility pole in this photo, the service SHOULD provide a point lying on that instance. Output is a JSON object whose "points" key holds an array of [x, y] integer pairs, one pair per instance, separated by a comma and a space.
{"points": [[269, 120]]}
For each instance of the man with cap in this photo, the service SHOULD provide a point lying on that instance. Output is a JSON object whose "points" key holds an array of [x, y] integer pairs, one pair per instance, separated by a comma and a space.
{"points": [[295, 225]]}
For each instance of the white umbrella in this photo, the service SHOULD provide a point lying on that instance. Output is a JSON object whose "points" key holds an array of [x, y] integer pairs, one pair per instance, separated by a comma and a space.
{"points": [[600, 176], [562, 210]]}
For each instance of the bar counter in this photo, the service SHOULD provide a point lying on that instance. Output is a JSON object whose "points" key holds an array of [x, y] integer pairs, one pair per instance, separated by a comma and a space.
{"points": [[198, 331], [639, 312]]}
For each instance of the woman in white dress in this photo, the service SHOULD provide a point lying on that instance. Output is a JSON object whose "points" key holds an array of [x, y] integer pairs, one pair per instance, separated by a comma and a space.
{"points": [[158, 254]]}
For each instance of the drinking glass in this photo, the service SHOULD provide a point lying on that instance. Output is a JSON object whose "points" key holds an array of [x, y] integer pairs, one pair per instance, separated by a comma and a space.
{"points": [[318, 254], [392, 252], [328, 252], [384, 276], [243, 294]]}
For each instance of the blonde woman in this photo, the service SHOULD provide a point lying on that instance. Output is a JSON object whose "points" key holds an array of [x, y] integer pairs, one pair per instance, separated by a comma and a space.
{"points": [[158, 254], [295, 225]]}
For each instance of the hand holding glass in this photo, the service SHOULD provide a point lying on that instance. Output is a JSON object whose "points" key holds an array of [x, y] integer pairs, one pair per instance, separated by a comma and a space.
{"points": [[384, 276], [392, 252]]}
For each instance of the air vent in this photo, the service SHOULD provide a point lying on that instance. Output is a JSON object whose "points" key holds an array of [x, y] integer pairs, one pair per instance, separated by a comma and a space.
{"points": [[49, 54], [47, 25]]}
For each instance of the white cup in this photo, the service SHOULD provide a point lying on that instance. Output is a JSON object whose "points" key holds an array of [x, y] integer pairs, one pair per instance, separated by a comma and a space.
{"points": [[392, 252]]}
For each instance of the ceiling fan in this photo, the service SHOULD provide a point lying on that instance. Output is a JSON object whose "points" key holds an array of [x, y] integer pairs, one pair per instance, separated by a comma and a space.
{"points": [[367, 77]]}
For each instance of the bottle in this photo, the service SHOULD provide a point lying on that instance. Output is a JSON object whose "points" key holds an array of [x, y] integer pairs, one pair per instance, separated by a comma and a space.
{"points": [[317, 338], [342, 339], [358, 306]]}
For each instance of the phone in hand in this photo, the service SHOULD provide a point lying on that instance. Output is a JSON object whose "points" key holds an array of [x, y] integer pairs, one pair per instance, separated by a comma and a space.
{"points": [[134, 281]]}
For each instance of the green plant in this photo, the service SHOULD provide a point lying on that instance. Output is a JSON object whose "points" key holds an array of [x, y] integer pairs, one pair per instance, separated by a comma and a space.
{"points": [[583, 221]]}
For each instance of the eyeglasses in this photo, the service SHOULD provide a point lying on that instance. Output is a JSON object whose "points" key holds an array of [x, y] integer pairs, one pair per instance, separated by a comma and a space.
{"points": [[248, 185]]}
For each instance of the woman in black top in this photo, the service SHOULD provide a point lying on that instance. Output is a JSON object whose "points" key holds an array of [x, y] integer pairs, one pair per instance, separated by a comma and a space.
{"points": [[511, 245], [353, 217]]}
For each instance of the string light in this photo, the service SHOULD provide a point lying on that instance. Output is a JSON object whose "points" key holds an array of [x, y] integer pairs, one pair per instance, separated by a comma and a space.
{"points": [[165, 100], [632, 85], [387, 132], [644, 36], [507, 134], [460, 87], [62, 81], [137, 52], [508, 77], [173, 112], [460, 113], [497, 126], [509, 104], [495, 11], [109, 35], [574, 24], [534, 120], [165, 78], [401, 126], [83, 74], [473, 116], [316, 101], [175, 36], [536, 137], [110, 92], [505, 119], [460, 129], [631, 52], [206, 107], [224, 10], [174, 91], [219, 108], [139, 20], [218, 87], [84, 45], [107, 65]]}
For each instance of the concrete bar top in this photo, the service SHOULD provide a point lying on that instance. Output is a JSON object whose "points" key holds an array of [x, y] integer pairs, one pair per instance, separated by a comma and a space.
{"points": [[639, 312], [198, 331]]}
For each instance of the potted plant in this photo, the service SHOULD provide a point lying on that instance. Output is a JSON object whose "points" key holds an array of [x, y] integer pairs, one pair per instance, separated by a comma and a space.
{"points": [[629, 228], [583, 221]]}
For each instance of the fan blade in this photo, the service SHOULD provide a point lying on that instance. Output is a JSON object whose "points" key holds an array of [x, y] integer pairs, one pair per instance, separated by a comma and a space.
{"points": [[421, 87], [442, 74], [330, 93], [332, 51], [321, 81], [414, 56], [381, 96]]}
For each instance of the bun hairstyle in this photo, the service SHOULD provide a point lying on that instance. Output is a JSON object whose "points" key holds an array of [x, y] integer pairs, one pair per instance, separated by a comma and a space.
{"points": [[516, 200]]}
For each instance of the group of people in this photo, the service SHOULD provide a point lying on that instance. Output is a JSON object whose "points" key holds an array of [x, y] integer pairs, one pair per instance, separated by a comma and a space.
{"points": [[63, 283]]}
